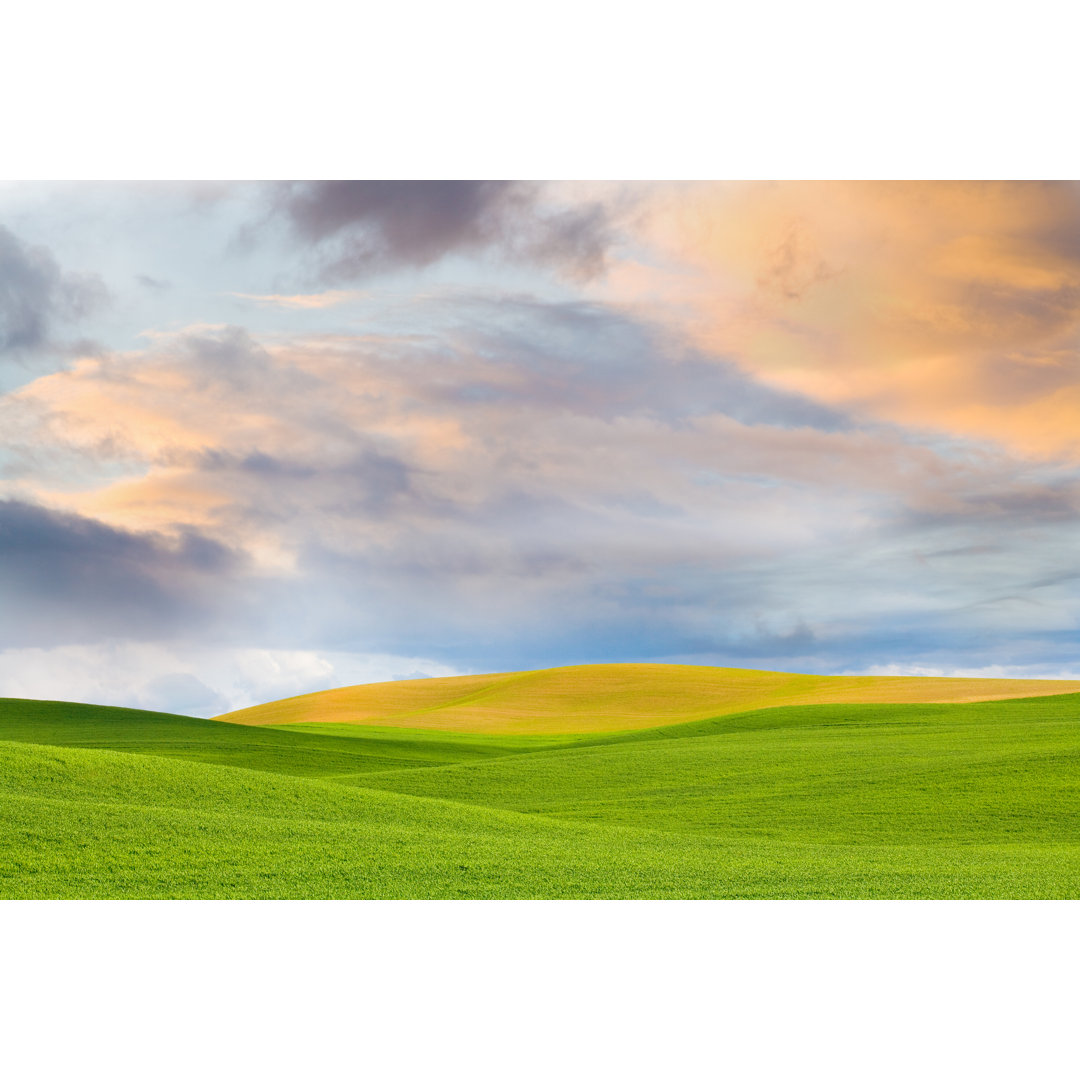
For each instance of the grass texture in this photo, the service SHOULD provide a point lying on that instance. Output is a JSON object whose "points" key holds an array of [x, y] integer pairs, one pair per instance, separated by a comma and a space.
{"points": [[824, 800]]}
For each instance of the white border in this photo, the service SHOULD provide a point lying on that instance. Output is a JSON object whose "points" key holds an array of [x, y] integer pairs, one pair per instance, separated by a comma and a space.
{"points": [[583, 89], [534, 989]]}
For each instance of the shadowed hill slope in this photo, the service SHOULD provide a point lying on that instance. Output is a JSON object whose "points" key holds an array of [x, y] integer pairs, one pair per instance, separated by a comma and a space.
{"points": [[615, 697]]}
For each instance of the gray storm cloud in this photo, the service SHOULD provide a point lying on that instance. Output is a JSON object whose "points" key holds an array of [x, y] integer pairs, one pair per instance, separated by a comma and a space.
{"points": [[361, 227], [68, 579]]}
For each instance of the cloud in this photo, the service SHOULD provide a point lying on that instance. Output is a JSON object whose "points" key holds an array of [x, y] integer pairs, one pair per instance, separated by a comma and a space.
{"points": [[182, 692], [35, 294], [947, 306], [66, 578], [502, 413], [810, 427], [364, 227], [514, 483], [190, 677]]}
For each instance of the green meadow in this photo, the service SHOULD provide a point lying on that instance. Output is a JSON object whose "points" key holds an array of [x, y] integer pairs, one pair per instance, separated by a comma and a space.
{"points": [[953, 800]]}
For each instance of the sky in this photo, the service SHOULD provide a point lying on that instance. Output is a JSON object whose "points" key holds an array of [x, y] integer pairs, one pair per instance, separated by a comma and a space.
{"points": [[258, 439]]}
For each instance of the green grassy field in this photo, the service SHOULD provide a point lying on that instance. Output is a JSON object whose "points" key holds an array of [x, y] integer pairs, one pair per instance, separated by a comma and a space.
{"points": [[829, 800]]}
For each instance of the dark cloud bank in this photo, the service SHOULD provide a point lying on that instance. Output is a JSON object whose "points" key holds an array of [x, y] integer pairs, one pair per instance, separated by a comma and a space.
{"points": [[66, 579], [360, 227]]}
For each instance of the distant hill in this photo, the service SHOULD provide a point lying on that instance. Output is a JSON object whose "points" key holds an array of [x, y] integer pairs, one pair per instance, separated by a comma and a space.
{"points": [[615, 697]]}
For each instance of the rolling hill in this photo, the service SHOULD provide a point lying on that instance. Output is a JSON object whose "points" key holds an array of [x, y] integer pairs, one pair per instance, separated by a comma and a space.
{"points": [[596, 698], [842, 799]]}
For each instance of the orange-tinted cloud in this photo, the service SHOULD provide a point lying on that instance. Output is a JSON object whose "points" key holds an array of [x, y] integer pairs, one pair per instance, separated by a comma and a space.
{"points": [[954, 306], [354, 439]]}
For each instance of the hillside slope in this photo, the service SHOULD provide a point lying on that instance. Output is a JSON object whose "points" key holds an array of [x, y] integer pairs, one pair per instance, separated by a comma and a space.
{"points": [[268, 749], [941, 801], [614, 697]]}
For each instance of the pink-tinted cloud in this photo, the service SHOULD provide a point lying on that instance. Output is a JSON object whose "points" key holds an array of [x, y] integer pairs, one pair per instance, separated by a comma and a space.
{"points": [[942, 305]]}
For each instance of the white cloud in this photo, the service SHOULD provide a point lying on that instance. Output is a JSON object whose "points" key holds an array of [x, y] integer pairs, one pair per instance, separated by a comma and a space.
{"points": [[202, 680], [991, 671]]}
